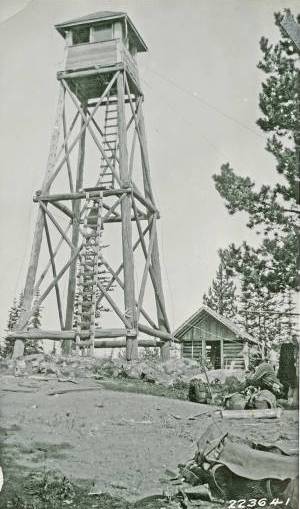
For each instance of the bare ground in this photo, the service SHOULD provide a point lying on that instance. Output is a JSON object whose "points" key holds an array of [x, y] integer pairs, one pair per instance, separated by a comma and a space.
{"points": [[119, 443]]}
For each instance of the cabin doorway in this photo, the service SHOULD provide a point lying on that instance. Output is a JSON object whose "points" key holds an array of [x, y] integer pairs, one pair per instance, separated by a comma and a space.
{"points": [[213, 354]]}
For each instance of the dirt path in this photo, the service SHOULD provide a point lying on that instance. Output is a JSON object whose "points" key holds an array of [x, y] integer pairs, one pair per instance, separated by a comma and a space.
{"points": [[121, 442]]}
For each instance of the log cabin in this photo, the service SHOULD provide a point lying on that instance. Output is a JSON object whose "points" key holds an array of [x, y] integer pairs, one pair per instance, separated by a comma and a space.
{"points": [[218, 341]]}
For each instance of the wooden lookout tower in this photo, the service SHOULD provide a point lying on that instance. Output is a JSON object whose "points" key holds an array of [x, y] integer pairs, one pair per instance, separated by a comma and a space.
{"points": [[97, 179]]}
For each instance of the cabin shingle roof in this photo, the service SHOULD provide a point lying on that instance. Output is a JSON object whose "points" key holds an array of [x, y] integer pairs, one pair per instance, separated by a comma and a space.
{"points": [[200, 313]]}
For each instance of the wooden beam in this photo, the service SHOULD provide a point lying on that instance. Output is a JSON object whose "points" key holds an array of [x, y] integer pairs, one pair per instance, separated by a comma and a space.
{"points": [[120, 282], [116, 308], [120, 268], [91, 104], [156, 269], [65, 75], [144, 217], [63, 209], [139, 124], [44, 273], [58, 299], [80, 195], [40, 334], [86, 119], [121, 343], [64, 146], [128, 261], [67, 346], [53, 220], [113, 208], [57, 169], [66, 150], [221, 352], [147, 266], [48, 289], [147, 203], [144, 248], [39, 227], [157, 333], [102, 134]]}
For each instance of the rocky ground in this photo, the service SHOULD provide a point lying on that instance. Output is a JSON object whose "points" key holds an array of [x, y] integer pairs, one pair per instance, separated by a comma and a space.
{"points": [[121, 446]]}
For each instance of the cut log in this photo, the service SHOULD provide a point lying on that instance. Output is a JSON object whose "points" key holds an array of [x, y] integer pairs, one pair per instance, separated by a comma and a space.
{"points": [[252, 414]]}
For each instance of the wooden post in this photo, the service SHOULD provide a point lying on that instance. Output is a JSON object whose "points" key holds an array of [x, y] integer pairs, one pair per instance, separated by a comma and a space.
{"points": [[58, 299], [165, 348], [67, 345], [128, 261], [203, 350], [222, 353], [39, 228]]}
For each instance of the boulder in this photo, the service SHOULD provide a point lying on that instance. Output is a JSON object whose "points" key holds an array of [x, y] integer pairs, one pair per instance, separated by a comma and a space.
{"points": [[20, 367]]}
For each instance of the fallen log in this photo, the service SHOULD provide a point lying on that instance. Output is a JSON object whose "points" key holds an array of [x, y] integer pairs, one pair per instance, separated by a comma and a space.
{"points": [[81, 389], [17, 390], [270, 413]]}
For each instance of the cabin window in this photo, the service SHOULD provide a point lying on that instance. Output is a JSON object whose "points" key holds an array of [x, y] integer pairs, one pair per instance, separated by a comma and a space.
{"points": [[81, 35], [103, 32]]}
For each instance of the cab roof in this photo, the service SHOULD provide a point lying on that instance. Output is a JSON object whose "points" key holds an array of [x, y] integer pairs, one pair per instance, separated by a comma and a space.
{"points": [[103, 16]]}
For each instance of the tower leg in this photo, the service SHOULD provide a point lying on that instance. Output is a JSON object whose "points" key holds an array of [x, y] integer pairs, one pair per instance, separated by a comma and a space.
{"points": [[128, 261], [156, 269], [67, 345], [30, 279], [38, 234]]}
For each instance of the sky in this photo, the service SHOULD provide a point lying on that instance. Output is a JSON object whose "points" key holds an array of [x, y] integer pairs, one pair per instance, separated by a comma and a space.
{"points": [[201, 86]]}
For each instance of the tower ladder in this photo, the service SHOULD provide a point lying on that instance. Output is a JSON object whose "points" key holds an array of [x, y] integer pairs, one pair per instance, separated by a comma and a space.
{"points": [[110, 139], [89, 270]]}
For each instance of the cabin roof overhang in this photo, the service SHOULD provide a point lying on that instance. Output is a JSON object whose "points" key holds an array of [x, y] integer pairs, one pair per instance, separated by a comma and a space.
{"points": [[103, 16], [206, 311]]}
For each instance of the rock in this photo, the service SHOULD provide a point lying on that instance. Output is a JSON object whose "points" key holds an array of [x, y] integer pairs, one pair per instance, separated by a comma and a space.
{"points": [[133, 373], [48, 368], [235, 401], [20, 367]]}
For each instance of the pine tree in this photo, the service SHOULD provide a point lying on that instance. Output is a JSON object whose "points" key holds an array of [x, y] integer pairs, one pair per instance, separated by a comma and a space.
{"points": [[31, 345], [259, 313], [267, 208], [221, 295], [13, 316], [36, 319]]}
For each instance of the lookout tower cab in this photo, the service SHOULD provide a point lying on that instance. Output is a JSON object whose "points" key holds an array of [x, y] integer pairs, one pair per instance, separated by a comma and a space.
{"points": [[102, 42]]}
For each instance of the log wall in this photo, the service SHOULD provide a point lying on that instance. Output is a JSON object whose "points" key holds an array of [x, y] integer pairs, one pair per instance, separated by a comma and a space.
{"points": [[207, 330]]}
